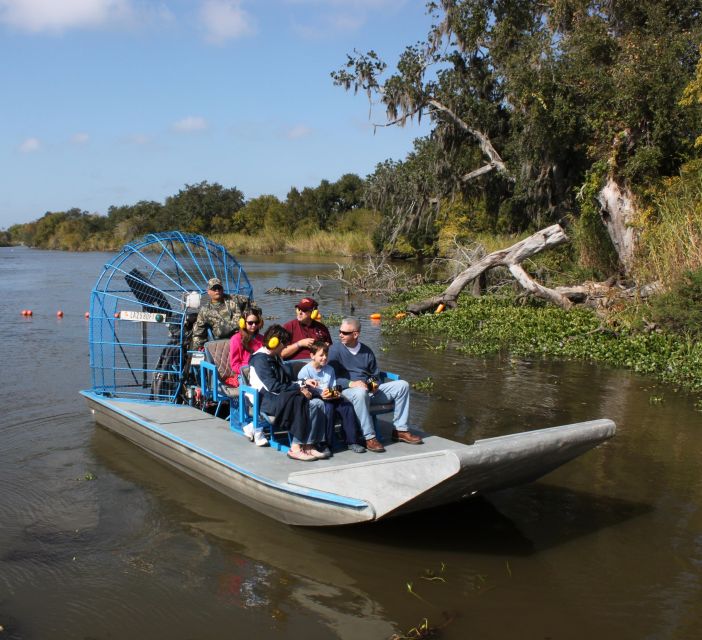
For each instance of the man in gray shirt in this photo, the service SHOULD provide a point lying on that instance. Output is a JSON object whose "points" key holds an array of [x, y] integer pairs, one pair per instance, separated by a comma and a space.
{"points": [[356, 368]]}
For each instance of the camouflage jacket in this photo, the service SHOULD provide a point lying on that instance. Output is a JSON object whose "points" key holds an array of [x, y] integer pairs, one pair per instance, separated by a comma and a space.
{"points": [[222, 319]]}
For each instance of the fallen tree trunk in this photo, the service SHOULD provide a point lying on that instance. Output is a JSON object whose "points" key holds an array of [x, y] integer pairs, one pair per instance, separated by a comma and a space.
{"points": [[511, 257], [602, 294]]}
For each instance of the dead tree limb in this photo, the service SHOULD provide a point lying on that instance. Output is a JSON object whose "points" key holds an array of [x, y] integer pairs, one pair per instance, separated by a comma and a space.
{"points": [[511, 257]]}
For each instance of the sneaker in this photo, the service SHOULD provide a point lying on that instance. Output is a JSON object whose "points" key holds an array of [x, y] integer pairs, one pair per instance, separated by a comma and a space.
{"points": [[406, 437], [259, 439], [320, 455], [249, 431], [299, 454], [372, 444], [357, 448]]}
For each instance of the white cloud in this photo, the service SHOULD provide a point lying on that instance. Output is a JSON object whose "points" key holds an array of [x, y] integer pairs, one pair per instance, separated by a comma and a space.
{"points": [[30, 145], [80, 138], [225, 20], [298, 131], [138, 139], [58, 15], [369, 4], [189, 124]]}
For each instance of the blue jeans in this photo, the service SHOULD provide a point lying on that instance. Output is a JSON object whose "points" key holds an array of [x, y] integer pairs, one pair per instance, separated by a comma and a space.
{"points": [[395, 390], [318, 422]]}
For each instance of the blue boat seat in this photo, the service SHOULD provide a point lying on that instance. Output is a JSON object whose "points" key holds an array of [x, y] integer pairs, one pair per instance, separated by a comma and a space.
{"points": [[249, 406], [214, 370], [250, 411]]}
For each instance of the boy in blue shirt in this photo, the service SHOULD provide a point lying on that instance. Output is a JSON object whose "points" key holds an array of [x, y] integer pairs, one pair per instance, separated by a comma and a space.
{"points": [[335, 406]]}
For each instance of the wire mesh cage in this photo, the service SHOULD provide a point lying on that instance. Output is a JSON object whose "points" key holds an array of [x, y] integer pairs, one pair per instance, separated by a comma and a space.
{"points": [[142, 309]]}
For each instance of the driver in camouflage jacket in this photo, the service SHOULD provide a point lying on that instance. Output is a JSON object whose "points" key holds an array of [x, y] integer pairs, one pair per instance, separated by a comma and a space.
{"points": [[220, 315]]}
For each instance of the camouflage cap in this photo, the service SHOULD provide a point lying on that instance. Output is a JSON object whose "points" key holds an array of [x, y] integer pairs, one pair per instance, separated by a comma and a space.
{"points": [[213, 282]]}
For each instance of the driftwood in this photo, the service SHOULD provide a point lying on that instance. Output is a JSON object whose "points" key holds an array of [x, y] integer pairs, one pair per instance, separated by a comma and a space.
{"points": [[594, 294], [511, 257], [292, 290], [603, 294]]}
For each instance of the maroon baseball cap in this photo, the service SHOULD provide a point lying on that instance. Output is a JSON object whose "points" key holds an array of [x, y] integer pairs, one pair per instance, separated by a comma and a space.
{"points": [[307, 304]]}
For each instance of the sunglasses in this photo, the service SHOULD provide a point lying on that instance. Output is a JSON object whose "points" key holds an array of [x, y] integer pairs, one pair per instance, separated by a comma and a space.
{"points": [[346, 333], [253, 322], [216, 288]]}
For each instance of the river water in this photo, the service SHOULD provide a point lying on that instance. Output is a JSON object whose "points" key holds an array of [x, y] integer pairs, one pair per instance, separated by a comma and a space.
{"points": [[100, 541]]}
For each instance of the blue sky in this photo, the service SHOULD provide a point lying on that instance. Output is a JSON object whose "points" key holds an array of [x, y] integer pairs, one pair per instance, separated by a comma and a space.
{"points": [[108, 102]]}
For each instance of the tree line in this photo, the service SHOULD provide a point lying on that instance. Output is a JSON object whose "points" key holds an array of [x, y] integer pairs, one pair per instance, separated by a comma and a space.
{"points": [[205, 208]]}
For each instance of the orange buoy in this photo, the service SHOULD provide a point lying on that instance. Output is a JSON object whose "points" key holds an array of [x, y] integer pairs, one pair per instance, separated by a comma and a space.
{"points": [[375, 316], [87, 315], [29, 312], [59, 314], [400, 315], [24, 312], [116, 314], [440, 308]]}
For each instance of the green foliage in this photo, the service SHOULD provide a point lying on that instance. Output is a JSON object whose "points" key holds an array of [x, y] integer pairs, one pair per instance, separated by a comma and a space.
{"points": [[594, 247], [215, 210], [671, 238], [201, 207], [680, 309], [558, 91], [491, 324]]}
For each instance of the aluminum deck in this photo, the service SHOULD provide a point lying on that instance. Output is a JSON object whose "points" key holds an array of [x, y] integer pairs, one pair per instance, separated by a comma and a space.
{"points": [[348, 487]]}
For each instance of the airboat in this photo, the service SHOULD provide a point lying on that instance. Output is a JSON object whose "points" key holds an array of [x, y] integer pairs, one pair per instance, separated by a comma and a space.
{"points": [[145, 388]]}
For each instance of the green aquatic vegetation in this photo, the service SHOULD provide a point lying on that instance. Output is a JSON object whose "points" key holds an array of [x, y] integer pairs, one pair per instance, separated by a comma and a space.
{"points": [[496, 323], [426, 385]]}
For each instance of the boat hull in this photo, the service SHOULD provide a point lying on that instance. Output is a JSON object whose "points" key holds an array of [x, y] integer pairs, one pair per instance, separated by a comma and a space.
{"points": [[348, 488]]}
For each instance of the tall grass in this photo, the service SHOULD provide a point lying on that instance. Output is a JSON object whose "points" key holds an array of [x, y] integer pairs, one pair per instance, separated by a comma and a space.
{"points": [[671, 242], [327, 243]]}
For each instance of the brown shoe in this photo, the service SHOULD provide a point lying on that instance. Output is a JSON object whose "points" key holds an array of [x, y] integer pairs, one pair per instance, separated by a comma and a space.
{"points": [[372, 444], [406, 437]]}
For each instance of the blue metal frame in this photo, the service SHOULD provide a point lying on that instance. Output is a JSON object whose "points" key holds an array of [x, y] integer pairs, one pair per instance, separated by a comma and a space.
{"points": [[152, 273]]}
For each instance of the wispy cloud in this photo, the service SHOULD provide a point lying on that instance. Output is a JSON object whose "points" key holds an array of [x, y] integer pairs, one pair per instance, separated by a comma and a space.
{"points": [[80, 138], [30, 145], [138, 139], [298, 131], [330, 17], [367, 4], [190, 124], [225, 20], [59, 15]]}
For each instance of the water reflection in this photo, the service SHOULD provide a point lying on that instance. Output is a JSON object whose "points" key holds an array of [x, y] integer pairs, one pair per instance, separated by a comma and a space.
{"points": [[267, 563]]}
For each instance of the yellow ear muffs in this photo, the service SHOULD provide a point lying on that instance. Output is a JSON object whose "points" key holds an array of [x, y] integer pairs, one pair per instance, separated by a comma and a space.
{"points": [[242, 323], [315, 314], [273, 342]]}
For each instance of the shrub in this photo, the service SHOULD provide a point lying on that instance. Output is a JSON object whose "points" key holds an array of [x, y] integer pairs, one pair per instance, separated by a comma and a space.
{"points": [[680, 309]]}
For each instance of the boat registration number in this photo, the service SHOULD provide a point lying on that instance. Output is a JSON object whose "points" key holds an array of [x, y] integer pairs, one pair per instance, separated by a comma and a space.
{"points": [[141, 316]]}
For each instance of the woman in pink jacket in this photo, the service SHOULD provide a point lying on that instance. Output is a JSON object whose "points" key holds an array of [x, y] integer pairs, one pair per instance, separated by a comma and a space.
{"points": [[244, 343]]}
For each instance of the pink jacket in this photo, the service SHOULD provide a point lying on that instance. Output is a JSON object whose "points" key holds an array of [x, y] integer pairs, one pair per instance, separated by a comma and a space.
{"points": [[238, 356]]}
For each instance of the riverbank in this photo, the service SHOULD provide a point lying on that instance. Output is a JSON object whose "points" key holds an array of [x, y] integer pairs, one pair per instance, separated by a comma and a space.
{"points": [[531, 328], [321, 243]]}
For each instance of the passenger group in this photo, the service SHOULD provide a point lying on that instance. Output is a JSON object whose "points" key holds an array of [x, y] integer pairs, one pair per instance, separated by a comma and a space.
{"points": [[339, 382]]}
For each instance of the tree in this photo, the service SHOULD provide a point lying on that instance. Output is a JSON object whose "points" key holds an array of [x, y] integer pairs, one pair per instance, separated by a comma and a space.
{"points": [[525, 97], [195, 207]]}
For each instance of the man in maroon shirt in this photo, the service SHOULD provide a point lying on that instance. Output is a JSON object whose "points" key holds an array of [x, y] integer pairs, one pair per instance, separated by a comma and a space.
{"points": [[304, 330]]}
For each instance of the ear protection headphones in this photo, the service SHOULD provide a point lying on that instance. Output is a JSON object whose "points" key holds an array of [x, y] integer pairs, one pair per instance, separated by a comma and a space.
{"points": [[315, 314], [273, 342]]}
